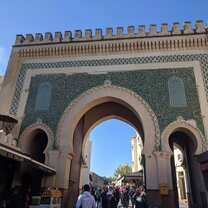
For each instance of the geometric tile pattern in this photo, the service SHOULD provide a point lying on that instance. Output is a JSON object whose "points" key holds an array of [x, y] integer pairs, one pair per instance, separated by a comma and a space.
{"points": [[151, 85], [202, 58]]}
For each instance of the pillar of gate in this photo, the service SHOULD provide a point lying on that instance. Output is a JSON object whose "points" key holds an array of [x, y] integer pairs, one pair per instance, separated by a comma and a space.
{"points": [[61, 161], [159, 186]]}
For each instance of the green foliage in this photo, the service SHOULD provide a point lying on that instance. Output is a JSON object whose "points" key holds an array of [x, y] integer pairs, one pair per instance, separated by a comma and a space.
{"points": [[122, 170]]}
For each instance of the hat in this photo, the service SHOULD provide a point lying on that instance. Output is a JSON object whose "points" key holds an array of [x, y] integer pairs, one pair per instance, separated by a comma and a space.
{"points": [[109, 193]]}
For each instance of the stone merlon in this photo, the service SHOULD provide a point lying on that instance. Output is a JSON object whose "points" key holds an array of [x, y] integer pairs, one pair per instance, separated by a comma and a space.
{"points": [[131, 33]]}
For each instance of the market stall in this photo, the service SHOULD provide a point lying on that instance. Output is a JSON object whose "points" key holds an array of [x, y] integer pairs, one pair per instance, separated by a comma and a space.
{"points": [[51, 198]]}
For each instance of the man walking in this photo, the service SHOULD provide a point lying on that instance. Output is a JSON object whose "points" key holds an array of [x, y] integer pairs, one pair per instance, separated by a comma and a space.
{"points": [[86, 200]]}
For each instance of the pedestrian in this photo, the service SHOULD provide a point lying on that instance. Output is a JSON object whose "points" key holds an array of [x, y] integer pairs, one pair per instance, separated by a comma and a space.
{"points": [[92, 191], [117, 194], [103, 197], [111, 201], [140, 198], [131, 195], [98, 191], [125, 198], [86, 200]]}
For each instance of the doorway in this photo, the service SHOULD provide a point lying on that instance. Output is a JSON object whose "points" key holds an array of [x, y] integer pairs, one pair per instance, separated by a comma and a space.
{"points": [[113, 143], [183, 147], [89, 120]]}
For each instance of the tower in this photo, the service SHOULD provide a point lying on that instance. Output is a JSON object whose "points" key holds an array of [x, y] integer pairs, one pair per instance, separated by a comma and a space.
{"points": [[136, 145]]}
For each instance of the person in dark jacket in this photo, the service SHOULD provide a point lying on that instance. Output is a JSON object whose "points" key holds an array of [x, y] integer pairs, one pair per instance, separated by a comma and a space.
{"points": [[111, 201], [103, 197], [140, 198], [125, 198], [117, 194]]}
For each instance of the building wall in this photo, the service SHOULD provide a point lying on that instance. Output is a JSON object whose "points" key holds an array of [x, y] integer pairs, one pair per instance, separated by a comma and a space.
{"points": [[1, 81], [181, 176], [97, 180], [86, 168], [134, 154], [137, 146], [138, 65], [147, 90]]}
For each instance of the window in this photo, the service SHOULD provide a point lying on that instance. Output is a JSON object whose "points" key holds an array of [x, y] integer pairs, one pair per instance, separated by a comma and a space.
{"points": [[43, 96], [176, 92]]}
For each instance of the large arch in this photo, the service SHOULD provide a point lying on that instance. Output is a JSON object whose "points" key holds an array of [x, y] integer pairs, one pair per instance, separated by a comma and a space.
{"points": [[101, 94], [73, 117]]}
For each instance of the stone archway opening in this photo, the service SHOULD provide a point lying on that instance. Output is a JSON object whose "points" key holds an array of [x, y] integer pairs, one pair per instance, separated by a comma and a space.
{"points": [[112, 142], [184, 145], [38, 145], [88, 121], [87, 111]]}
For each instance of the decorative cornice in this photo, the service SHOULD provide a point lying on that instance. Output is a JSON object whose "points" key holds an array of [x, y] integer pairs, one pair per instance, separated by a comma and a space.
{"points": [[140, 41], [190, 125], [108, 85]]}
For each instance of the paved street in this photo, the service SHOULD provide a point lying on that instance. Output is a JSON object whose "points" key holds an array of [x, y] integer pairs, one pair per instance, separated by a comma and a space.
{"points": [[181, 205]]}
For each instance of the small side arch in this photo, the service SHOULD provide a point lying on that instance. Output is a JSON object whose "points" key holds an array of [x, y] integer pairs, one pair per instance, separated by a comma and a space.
{"points": [[29, 133], [189, 127]]}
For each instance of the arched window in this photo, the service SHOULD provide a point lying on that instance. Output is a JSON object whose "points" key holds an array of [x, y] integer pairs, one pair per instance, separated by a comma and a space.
{"points": [[176, 92], [43, 96]]}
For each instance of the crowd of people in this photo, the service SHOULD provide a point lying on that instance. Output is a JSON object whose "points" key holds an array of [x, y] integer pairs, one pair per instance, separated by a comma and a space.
{"points": [[112, 197]]}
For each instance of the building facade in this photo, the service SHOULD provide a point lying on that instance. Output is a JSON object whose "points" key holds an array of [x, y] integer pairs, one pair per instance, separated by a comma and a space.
{"points": [[1, 80], [97, 180], [136, 145], [87, 163], [181, 175], [59, 88]]}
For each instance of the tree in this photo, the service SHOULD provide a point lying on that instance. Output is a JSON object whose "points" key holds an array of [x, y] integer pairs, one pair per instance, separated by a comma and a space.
{"points": [[122, 170]]}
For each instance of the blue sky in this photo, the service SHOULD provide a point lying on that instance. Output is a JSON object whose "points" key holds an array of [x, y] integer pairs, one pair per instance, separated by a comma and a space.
{"points": [[111, 146], [34, 16]]}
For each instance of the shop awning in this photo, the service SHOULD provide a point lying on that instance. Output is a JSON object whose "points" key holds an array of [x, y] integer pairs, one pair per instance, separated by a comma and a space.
{"points": [[132, 176], [21, 157]]}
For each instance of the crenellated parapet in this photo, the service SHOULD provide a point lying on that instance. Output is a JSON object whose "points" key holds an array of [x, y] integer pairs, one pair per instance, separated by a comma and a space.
{"points": [[78, 43], [132, 33]]}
